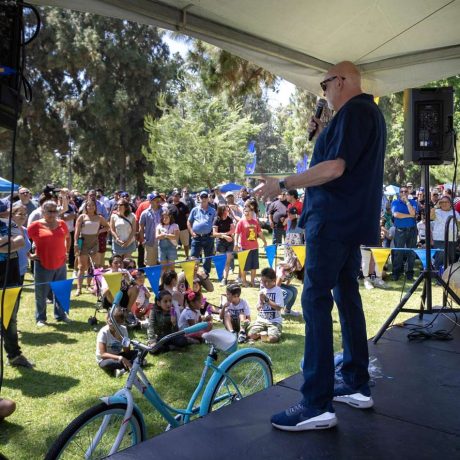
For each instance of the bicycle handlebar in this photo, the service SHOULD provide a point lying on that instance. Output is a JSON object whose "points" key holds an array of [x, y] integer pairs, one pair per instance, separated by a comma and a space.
{"points": [[127, 341]]}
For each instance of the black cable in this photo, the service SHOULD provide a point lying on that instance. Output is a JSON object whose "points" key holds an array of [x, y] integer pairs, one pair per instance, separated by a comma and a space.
{"points": [[25, 84]]}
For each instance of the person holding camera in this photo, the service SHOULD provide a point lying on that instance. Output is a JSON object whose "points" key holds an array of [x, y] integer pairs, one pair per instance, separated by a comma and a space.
{"points": [[404, 210]]}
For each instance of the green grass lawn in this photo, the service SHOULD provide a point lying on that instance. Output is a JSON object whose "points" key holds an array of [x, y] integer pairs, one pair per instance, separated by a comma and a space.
{"points": [[67, 380]]}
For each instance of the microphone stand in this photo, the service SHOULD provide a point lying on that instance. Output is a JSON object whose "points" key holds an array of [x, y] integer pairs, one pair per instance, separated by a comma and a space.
{"points": [[426, 276]]}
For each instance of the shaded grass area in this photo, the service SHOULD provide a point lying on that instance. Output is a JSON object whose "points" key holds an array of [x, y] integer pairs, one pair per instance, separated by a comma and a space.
{"points": [[67, 380]]}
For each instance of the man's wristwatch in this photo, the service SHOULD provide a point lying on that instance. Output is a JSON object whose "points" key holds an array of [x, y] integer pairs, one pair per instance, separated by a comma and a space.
{"points": [[282, 184]]}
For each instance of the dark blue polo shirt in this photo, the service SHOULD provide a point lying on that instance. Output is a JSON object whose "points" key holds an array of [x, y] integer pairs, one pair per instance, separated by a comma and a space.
{"points": [[348, 208]]}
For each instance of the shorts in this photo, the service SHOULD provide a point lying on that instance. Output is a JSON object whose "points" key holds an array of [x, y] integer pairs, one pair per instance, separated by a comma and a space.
{"points": [[184, 237], [168, 253], [260, 325], [252, 262], [119, 250], [90, 245], [223, 246]]}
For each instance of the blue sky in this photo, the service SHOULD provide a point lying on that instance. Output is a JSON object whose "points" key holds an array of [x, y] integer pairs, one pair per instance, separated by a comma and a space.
{"points": [[285, 88]]}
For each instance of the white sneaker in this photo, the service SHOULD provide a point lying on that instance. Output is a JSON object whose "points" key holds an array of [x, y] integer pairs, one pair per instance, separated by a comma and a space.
{"points": [[379, 283], [41, 324], [74, 274], [119, 373], [368, 283]]}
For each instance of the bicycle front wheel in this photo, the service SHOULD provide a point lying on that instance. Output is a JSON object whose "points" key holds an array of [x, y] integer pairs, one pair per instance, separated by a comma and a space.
{"points": [[246, 376], [76, 440]]}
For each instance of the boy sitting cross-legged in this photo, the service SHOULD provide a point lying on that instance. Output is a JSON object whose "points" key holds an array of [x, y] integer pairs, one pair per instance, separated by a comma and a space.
{"points": [[235, 312], [268, 324]]}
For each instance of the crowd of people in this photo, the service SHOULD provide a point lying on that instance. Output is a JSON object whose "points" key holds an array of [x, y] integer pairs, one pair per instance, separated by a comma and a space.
{"points": [[62, 229]]}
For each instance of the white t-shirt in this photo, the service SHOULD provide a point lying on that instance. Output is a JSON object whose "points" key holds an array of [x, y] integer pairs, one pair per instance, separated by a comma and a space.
{"points": [[439, 225], [275, 294], [122, 227], [113, 345], [188, 314], [421, 229], [235, 311]]}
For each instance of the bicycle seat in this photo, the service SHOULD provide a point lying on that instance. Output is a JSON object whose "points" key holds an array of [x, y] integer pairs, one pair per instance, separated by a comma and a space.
{"points": [[223, 340]]}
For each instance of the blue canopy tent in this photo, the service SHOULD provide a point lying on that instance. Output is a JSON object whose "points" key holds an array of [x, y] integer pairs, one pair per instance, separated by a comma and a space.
{"points": [[5, 185], [230, 187]]}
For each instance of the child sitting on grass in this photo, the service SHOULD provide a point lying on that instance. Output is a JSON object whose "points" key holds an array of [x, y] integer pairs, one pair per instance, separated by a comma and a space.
{"points": [[162, 322], [111, 356], [268, 324], [192, 315], [235, 312]]}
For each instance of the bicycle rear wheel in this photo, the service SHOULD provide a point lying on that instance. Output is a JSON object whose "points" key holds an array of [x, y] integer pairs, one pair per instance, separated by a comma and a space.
{"points": [[246, 376], [76, 439]]}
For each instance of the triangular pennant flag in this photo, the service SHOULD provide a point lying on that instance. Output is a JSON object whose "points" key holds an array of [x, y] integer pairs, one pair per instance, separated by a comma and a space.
{"points": [[11, 295], [62, 291], [113, 281], [219, 262], [271, 254], [380, 258], [189, 270], [300, 252], [421, 253], [242, 257], [153, 275]]}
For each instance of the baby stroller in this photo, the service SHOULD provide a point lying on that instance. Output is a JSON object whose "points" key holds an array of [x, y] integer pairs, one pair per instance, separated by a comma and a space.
{"points": [[96, 275]]}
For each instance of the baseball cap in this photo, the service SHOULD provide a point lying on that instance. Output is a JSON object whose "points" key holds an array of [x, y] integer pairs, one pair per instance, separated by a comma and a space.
{"points": [[50, 188], [204, 193], [124, 195], [175, 193], [152, 196], [293, 211], [229, 194]]}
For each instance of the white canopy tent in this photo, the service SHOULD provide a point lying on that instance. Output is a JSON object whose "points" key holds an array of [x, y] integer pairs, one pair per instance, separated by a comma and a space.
{"points": [[397, 43]]}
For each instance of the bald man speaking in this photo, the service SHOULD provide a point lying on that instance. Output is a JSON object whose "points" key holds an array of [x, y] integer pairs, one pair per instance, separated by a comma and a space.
{"points": [[341, 212]]}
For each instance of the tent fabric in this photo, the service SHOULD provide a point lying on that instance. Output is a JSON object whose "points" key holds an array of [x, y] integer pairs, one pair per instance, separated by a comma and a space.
{"points": [[230, 187], [396, 44], [5, 185]]}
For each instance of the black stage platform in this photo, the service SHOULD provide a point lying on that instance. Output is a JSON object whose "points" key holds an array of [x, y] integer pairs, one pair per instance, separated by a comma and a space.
{"points": [[416, 414]]}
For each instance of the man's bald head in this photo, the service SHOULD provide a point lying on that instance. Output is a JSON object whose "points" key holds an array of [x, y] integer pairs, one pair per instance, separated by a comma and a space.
{"points": [[343, 83], [348, 70]]}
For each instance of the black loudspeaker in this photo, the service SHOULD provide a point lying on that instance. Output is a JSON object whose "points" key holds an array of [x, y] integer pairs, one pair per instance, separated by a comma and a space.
{"points": [[10, 55], [428, 125]]}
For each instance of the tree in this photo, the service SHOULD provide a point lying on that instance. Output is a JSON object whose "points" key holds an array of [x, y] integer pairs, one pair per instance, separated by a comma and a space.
{"points": [[200, 142], [104, 75]]}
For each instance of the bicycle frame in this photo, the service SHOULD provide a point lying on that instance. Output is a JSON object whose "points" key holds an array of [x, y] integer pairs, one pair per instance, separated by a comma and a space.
{"points": [[138, 379]]}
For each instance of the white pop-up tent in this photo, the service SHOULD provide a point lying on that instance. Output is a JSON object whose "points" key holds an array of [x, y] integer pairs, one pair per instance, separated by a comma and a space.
{"points": [[397, 43]]}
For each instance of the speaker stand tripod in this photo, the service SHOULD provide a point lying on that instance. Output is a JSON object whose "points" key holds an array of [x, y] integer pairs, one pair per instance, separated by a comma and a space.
{"points": [[426, 276]]}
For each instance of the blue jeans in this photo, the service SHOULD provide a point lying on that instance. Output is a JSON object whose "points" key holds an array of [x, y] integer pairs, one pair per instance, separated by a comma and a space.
{"points": [[278, 235], [42, 288], [404, 238], [332, 265], [205, 244], [289, 294]]}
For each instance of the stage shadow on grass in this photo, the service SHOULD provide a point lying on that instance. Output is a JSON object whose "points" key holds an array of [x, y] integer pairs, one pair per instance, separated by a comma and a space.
{"points": [[37, 384], [50, 337]]}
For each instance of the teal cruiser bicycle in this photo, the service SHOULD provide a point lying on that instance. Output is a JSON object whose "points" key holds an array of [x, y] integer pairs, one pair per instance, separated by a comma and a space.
{"points": [[117, 422]]}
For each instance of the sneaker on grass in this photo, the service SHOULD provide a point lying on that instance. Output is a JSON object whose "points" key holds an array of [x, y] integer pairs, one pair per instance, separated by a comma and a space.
{"points": [[368, 283], [301, 418], [360, 399], [294, 314], [379, 283], [242, 337], [41, 324], [119, 373], [21, 361]]}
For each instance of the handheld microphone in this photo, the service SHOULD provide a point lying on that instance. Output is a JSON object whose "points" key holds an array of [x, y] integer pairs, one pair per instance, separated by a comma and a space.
{"points": [[319, 110]]}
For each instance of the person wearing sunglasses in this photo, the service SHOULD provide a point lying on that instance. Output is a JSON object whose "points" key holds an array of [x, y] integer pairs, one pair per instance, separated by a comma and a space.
{"points": [[347, 165], [404, 210], [52, 245]]}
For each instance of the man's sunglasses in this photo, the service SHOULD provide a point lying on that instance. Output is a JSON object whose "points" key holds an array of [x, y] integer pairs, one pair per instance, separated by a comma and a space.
{"points": [[324, 83]]}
